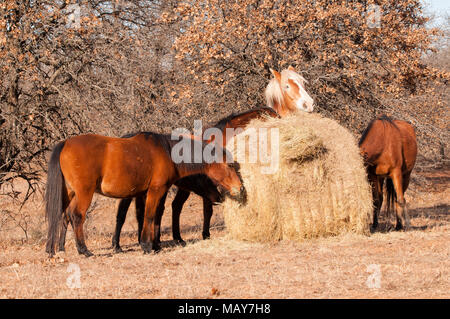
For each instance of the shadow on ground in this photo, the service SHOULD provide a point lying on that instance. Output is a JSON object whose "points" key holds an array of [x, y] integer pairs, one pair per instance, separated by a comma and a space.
{"points": [[433, 216]]}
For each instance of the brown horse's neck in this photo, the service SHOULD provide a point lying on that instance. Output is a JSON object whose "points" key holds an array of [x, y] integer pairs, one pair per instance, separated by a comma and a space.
{"points": [[372, 142], [280, 110], [208, 169], [236, 121], [185, 170]]}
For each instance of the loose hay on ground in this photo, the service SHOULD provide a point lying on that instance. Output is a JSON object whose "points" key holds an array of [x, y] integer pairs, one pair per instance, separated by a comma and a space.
{"points": [[320, 188]]}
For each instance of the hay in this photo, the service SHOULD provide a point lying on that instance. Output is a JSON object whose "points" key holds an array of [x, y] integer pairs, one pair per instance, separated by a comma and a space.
{"points": [[320, 188]]}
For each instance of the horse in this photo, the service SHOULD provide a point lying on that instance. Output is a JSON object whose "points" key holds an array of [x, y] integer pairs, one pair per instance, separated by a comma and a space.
{"points": [[389, 149], [122, 168], [285, 94]]}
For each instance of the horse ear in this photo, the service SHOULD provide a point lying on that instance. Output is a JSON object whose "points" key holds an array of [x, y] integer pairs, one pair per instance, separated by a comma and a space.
{"points": [[276, 74], [290, 68]]}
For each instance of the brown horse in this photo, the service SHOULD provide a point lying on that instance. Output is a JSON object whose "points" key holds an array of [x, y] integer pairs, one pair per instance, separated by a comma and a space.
{"points": [[285, 94], [121, 168], [389, 149]]}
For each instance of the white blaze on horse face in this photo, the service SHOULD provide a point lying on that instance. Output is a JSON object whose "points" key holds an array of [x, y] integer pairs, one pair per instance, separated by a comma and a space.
{"points": [[305, 102]]}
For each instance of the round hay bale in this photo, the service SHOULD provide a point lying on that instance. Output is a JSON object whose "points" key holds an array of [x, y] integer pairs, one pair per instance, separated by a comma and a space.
{"points": [[319, 189]]}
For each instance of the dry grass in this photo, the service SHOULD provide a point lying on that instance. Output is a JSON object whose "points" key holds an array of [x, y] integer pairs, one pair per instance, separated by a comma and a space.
{"points": [[413, 264], [319, 190]]}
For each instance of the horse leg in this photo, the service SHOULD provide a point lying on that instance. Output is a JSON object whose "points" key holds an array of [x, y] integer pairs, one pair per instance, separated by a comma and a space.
{"points": [[77, 210], [400, 203], [140, 211], [122, 209], [380, 194], [406, 178], [63, 232], [207, 213], [177, 205], [377, 194], [150, 228], [159, 214], [64, 221]]}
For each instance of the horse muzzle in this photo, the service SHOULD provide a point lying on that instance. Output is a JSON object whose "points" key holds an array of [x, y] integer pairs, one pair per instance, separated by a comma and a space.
{"points": [[239, 195], [305, 105]]}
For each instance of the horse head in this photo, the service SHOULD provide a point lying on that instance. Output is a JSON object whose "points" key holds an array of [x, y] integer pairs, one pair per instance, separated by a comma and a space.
{"points": [[227, 177], [286, 92]]}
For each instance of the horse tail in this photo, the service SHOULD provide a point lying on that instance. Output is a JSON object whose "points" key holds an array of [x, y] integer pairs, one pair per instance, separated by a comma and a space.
{"points": [[54, 197], [391, 196]]}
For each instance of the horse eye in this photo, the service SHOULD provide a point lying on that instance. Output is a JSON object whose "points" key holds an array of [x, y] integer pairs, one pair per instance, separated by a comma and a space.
{"points": [[287, 86]]}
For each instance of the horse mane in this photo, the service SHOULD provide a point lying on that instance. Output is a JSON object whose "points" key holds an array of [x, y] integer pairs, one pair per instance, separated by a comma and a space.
{"points": [[273, 93], [164, 140], [128, 135], [273, 90], [384, 118], [224, 121], [289, 74]]}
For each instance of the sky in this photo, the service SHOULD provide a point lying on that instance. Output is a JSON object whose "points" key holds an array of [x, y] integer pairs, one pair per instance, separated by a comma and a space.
{"points": [[438, 7]]}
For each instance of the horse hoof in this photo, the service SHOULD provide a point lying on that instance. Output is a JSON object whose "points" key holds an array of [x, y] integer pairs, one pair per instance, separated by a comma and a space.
{"points": [[156, 248], [207, 236], [181, 242], [118, 249], [87, 253], [373, 228], [147, 248]]}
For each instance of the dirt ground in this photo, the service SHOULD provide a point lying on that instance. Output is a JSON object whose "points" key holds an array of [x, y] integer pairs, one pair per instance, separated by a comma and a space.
{"points": [[386, 264]]}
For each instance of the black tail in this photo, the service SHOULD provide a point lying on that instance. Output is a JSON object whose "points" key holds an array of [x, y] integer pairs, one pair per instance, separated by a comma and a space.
{"points": [[391, 197], [54, 197]]}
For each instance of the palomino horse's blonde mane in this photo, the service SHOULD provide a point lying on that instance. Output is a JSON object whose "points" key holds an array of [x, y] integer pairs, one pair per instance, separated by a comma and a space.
{"points": [[273, 91]]}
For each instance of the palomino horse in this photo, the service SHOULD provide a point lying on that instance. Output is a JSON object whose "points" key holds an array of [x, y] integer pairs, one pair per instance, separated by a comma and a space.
{"points": [[389, 149], [285, 94], [121, 168]]}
